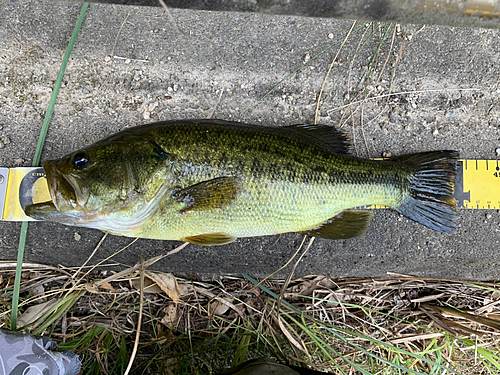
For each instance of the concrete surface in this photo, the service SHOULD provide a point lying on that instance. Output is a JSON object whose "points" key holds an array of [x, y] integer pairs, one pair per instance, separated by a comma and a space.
{"points": [[458, 13], [159, 73]]}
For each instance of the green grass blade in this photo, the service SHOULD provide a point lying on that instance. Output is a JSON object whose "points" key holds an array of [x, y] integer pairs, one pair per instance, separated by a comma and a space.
{"points": [[242, 350], [340, 337], [121, 359], [58, 310], [369, 69], [17, 280], [36, 162], [326, 348], [365, 310], [84, 341], [490, 357], [57, 86], [370, 355], [347, 66]]}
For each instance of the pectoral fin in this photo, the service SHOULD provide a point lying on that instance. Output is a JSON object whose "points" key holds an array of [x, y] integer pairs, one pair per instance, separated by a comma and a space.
{"points": [[209, 239], [347, 224], [208, 195]]}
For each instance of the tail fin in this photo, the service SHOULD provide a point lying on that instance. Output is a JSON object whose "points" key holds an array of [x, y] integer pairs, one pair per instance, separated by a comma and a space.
{"points": [[430, 188]]}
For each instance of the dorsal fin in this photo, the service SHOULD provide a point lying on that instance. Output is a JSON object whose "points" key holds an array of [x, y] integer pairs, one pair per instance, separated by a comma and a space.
{"points": [[331, 136]]}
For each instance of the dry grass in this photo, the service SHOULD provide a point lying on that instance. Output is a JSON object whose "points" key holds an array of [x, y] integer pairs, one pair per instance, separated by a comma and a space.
{"points": [[400, 324]]}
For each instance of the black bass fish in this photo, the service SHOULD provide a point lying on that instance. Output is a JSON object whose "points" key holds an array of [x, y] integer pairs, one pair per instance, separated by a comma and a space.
{"points": [[209, 182]]}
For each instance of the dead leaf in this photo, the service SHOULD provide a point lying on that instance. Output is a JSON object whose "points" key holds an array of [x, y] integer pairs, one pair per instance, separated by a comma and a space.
{"points": [[38, 290], [92, 288], [108, 286], [167, 283], [223, 301], [255, 291], [149, 285], [218, 307], [162, 337], [185, 289], [170, 317], [172, 366], [33, 313]]}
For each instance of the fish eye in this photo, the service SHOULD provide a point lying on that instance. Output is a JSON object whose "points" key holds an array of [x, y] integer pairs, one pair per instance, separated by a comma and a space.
{"points": [[80, 159]]}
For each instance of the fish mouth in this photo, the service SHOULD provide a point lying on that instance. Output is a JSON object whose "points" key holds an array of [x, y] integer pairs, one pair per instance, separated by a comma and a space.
{"points": [[66, 191], [68, 198]]}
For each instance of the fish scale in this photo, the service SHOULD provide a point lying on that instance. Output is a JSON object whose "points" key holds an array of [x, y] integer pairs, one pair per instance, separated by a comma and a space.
{"points": [[286, 193]]}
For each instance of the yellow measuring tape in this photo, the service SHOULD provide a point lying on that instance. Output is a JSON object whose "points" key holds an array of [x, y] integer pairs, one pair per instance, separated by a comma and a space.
{"points": [[477, 186], [21, 187]]}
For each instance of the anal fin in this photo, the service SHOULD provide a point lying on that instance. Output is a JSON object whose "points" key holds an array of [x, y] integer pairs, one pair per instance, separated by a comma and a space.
{"points": [[347, 224], [209, 239]]}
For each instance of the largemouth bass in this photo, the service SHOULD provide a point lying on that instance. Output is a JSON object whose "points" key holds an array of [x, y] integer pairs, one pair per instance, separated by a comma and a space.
{"points": [[209, 182]]}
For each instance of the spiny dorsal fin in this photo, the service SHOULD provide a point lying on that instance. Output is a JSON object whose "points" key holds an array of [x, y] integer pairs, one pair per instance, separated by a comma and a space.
{"points": [[208, 195], [209, 239], [331, 136], [347, 224]]}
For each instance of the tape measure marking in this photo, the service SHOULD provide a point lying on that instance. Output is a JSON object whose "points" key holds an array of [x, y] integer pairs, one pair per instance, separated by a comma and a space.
{"points": [[481, 181]]}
